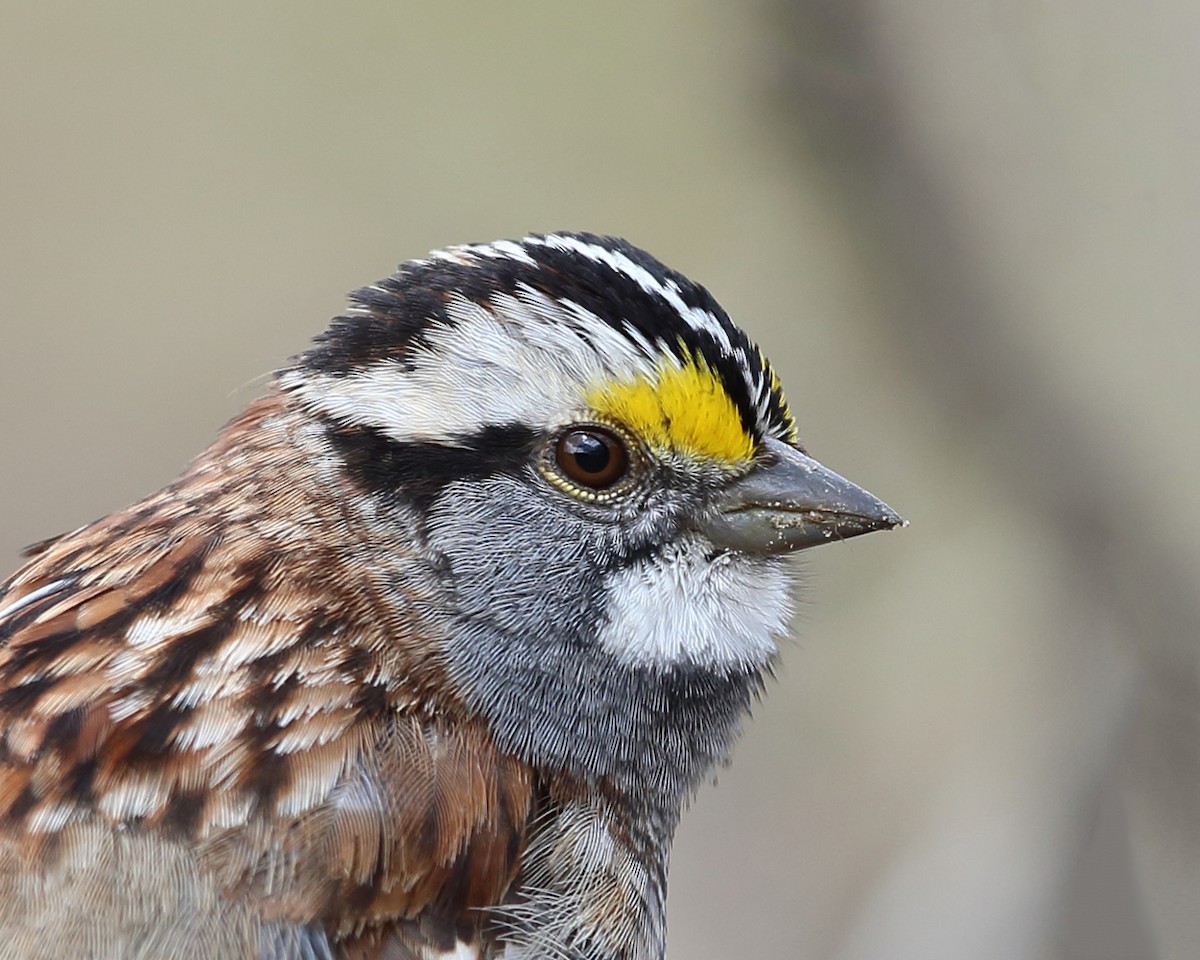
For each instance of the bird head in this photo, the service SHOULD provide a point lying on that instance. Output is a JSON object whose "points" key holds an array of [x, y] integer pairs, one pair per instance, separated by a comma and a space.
{"points": [[603, 479]]}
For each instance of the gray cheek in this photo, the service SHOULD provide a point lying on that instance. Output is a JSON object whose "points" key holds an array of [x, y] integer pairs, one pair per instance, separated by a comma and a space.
{"points": [[516, 560], [525, 578], [526, 587]]}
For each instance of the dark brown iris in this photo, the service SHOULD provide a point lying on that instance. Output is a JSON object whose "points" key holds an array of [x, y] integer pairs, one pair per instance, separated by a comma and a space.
{"points": [[592, 457]]}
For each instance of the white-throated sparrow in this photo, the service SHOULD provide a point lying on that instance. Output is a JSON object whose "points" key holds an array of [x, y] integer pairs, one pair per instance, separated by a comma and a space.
{"points": [[422, 657]]}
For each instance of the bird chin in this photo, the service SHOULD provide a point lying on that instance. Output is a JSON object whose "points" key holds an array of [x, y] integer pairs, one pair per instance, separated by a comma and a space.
{"points": [[689, 606]]}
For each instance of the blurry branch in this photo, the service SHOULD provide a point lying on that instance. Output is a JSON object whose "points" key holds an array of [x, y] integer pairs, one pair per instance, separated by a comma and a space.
{"points": [[834, 99]]}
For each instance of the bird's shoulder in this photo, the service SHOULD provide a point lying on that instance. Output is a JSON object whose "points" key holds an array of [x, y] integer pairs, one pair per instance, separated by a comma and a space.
{"points": [[194, 725]]}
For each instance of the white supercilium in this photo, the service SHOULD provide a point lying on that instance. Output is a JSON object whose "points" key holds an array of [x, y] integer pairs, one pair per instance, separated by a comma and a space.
{"points": [[524, 359]]}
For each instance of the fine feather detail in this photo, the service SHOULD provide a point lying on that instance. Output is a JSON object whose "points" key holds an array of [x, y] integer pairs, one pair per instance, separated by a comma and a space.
{"points": [[365, 682], [161, 676]]}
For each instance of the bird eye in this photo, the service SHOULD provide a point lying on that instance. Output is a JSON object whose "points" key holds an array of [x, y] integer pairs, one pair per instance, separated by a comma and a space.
{"points": [[592, 457]]}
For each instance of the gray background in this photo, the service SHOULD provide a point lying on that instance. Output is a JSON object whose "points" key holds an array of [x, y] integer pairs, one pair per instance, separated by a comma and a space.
{"points": [[967, 234]]}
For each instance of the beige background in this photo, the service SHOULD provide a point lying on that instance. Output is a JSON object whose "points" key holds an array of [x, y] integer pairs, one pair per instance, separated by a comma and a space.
{"points": [[966, 232]]}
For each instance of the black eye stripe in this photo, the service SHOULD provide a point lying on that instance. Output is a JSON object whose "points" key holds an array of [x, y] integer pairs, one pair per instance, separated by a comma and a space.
{"points": [[418, 471]]}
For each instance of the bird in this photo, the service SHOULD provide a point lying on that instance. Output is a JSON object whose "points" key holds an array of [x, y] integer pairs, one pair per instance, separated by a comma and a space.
{"points": [[425, 656]]}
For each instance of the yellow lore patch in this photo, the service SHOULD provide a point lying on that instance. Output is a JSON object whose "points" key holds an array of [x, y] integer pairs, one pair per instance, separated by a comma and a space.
{"points": [[683, 408]]}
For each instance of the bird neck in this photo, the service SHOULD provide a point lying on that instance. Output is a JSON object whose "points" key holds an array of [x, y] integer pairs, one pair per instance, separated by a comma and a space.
{"points": [[653, 734]]}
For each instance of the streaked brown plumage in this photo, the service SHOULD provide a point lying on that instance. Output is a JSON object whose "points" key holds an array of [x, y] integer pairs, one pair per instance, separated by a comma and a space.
{"points": [[281, 754]]}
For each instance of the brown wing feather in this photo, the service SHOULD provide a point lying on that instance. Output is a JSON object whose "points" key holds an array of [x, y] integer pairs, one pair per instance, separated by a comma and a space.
{"points": [[198, 706]]}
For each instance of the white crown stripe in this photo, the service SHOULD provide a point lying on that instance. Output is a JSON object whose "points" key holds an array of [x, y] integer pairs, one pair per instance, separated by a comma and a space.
{"points": [[509, 249], [694, 316]]}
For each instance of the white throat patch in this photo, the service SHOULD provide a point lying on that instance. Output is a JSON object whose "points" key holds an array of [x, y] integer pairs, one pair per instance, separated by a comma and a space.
{"points": [[683, 608]]}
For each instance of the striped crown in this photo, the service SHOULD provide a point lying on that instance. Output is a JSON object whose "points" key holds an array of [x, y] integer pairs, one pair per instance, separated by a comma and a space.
{"points": [[646, 346]]}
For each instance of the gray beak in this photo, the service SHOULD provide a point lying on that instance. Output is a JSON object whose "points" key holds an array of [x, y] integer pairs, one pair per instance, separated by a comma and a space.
{"points": [[790, 502]]}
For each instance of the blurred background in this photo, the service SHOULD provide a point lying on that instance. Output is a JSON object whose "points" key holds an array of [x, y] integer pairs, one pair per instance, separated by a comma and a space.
{"points": [[966, 232]]}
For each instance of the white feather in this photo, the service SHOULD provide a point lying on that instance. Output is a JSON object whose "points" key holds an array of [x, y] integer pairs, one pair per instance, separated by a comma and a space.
{"points": [[33, 597], [528, 360], [682, 607], [461, 951]]}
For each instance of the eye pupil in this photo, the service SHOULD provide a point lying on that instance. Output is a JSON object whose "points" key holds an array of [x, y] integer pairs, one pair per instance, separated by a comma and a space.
{"points": [[592, 458], [589, 451]]}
